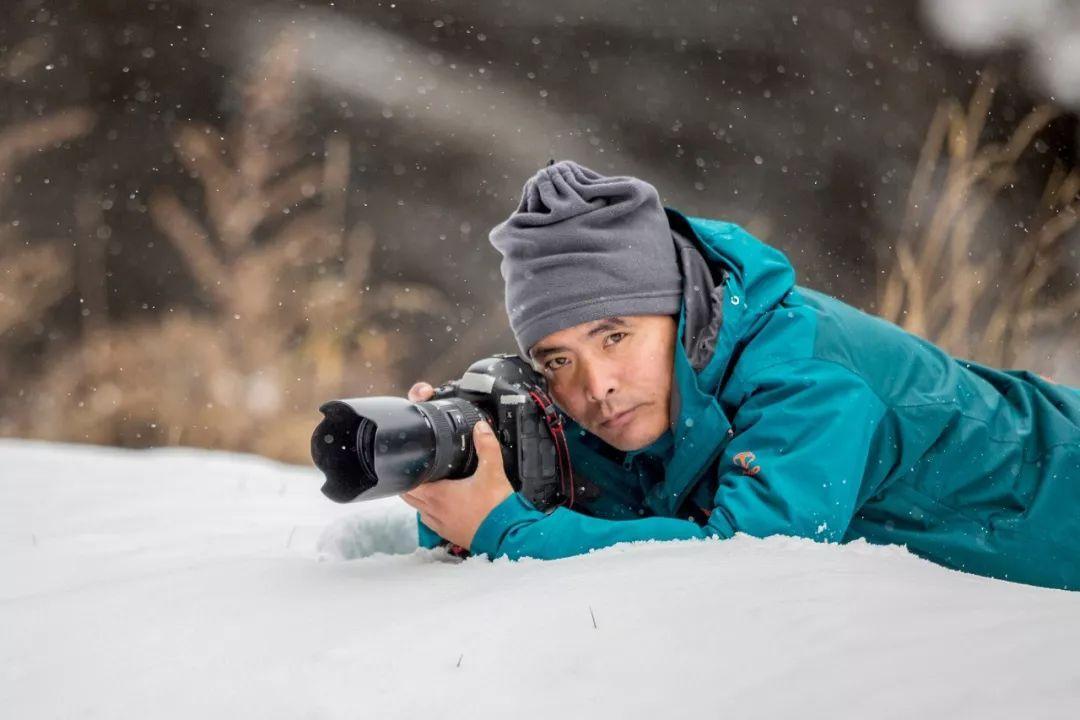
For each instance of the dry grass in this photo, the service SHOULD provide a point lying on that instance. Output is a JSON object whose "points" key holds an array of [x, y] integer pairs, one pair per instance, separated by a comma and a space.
{"points": [[949, 284], [291, 309], [34, 273], [292, 303]]}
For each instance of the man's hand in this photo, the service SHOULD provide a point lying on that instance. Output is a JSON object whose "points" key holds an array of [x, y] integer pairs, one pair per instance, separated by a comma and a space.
{"points": [[455, 508]]}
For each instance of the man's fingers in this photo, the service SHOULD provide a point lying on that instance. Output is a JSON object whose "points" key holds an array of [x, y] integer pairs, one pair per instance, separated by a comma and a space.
{"points": [[428, 496], [425, 515], [488, 450], [430, 513], [417, 498], [420, 392]]}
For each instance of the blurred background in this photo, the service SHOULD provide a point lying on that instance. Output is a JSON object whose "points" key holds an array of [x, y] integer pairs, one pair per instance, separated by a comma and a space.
{"points": [[214, 216]]}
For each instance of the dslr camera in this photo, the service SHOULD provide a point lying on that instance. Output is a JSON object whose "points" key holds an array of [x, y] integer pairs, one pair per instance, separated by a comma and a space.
{"points": [[373, 447]]}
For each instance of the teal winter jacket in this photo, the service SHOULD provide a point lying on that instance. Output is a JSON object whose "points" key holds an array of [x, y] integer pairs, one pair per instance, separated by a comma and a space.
{"points": [[796, 414]]}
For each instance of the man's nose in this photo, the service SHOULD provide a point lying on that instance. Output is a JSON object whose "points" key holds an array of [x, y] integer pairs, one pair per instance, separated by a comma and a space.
{"points": [[599, 381]]}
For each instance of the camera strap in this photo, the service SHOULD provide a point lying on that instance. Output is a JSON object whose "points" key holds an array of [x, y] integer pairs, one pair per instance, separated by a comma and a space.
{"points": [[555, 425]]}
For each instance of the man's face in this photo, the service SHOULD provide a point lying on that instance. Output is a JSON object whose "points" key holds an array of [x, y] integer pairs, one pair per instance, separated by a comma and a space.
{"points": [[613, 376]]}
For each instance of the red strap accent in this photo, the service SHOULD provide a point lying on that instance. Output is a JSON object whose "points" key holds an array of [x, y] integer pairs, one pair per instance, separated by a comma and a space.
{"points": [[558, 436]]}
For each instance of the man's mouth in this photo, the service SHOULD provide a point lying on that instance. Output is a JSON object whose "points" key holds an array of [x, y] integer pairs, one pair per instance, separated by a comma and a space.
{"points": [[619, 419]]}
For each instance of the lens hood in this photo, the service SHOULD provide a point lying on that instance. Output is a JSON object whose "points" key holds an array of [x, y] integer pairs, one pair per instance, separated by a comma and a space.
{"points": [[372, 447]]}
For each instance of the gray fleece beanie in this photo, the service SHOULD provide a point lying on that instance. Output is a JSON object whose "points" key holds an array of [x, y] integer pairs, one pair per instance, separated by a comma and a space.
{"points": [[581, 247]]}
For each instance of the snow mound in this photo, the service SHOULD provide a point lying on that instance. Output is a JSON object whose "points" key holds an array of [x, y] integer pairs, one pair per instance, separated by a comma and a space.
{"points": [[181, 584]]}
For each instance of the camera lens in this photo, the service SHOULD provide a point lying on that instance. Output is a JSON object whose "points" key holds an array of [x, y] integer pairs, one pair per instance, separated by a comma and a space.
{"points": [[452, 421], [381, 446]]}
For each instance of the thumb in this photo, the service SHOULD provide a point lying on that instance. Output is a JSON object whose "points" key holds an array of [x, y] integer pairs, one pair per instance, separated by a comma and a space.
{"points": [[488, 450]]}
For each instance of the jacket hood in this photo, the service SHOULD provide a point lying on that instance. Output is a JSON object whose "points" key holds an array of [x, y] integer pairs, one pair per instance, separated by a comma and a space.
{"points": [[730, 280], [748, 278]]}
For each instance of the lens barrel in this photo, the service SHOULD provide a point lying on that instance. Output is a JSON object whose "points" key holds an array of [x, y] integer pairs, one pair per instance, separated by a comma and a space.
{"points": [[380, 446]]}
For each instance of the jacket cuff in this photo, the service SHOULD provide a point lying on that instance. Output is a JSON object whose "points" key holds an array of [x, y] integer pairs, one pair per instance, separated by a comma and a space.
{"points": [[514, 510], [426, 537]]}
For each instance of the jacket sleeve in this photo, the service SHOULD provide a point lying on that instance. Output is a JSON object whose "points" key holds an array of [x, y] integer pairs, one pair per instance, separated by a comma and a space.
{"points": [[511, 529], [516, 529], [426, 537], [804, 438], [801, 445]]}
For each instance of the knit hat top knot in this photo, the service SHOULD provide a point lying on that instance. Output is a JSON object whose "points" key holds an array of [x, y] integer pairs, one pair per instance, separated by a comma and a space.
{"points": [[582, 246]]}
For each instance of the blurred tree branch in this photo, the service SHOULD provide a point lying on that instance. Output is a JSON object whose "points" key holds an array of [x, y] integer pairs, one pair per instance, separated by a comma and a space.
{"points": [[34, 275], [293, 306]]}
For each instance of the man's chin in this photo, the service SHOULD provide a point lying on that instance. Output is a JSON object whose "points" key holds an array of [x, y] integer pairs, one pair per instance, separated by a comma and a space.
{"points": [[630, 439]]}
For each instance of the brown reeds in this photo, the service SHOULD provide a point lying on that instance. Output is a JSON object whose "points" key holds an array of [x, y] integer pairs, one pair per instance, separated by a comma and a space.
{"points": [[291, 302], [952, 285], [35, 273]]}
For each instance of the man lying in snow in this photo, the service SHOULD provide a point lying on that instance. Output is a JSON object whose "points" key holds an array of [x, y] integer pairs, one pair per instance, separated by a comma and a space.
{"points": [[708, 394]]}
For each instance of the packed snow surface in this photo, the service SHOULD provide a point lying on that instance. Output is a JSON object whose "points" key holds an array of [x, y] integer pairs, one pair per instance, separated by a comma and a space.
{"points": [[187, 584]]}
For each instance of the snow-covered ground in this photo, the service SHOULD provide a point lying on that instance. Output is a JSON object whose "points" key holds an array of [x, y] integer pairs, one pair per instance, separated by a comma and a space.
{"points": [[187, 584]]}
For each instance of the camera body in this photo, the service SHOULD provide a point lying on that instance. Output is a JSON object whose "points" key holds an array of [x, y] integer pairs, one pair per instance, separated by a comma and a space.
{"points": [[380, 446], [505, 389]]}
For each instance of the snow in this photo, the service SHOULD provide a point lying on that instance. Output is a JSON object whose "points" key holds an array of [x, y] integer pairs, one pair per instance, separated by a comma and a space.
{"points": [[1048, 30], [182, 583]]}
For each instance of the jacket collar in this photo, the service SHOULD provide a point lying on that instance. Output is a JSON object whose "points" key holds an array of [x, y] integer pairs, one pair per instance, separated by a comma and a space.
{"points": [[699, 429]]}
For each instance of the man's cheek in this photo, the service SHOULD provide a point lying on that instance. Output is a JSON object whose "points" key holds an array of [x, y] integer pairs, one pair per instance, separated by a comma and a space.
{"points": [[567, 403]]}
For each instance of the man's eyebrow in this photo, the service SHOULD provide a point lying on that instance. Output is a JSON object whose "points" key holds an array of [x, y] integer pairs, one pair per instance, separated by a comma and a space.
{"points": [[602, 327]]}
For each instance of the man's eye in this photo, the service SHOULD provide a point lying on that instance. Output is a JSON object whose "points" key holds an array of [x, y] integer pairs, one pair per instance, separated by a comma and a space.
{"points": [[555, 363], [615, 338]]}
